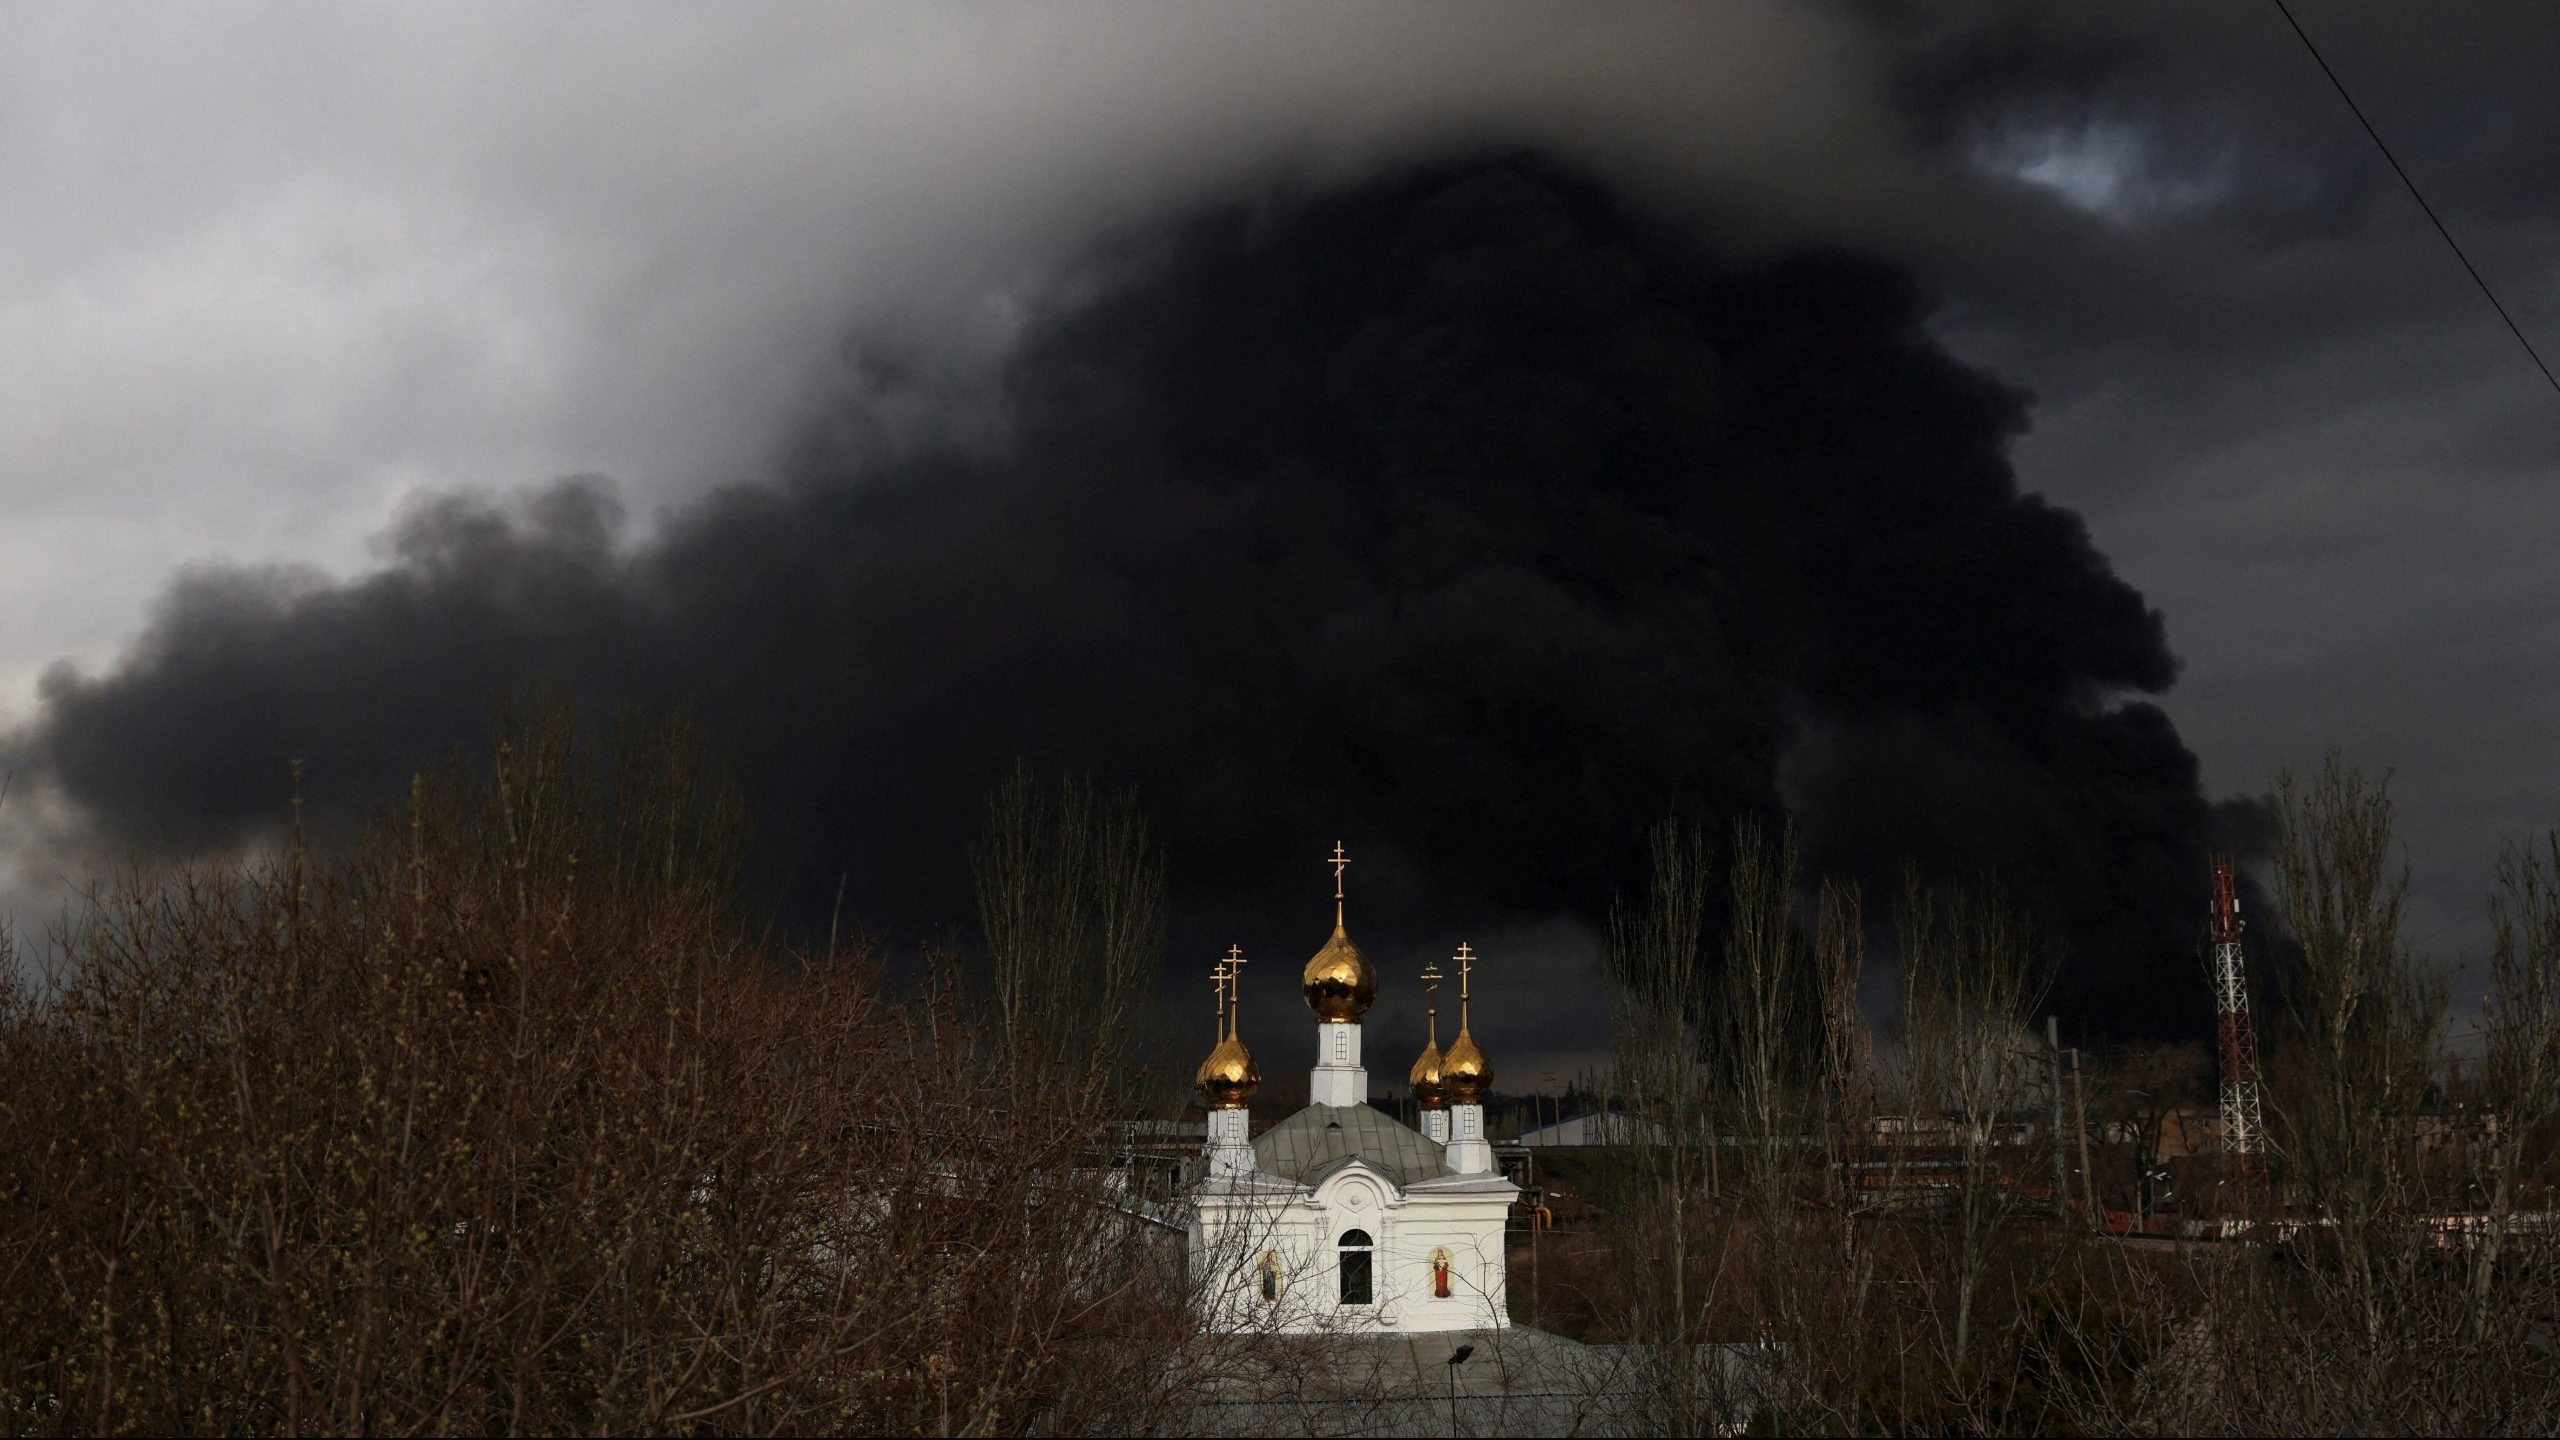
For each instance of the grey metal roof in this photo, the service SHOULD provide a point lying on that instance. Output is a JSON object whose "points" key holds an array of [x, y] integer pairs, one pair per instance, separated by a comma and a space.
{"points": [[1315, 1138]]}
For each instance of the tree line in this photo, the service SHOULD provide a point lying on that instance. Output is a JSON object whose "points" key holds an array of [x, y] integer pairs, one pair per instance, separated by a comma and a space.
{"points": [[509, 1116], [508, 1119], [1873, 1185]]}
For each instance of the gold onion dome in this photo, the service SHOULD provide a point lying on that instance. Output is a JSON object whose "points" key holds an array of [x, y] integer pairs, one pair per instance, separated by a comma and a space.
{"points": [[1464, 1070], [1338, 982], [1228, 1078], [1430, 1087]]}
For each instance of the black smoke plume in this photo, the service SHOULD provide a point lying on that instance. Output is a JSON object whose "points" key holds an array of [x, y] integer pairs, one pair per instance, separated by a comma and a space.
{"points": [[1466, 514]]}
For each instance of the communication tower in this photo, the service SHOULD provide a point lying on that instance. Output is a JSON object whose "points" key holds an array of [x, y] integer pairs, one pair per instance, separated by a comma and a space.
{"points": [[2243, 1123]]}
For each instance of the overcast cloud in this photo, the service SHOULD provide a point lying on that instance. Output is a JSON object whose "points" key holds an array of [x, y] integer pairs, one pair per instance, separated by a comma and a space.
{"points": [[270, 269], [271, 273]]}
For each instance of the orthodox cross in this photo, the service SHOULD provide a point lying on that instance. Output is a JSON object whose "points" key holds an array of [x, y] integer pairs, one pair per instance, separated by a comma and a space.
{"points": [[1218, 980], [1340, 861], [1431, 996], [1466, 958], [1235, 989]]}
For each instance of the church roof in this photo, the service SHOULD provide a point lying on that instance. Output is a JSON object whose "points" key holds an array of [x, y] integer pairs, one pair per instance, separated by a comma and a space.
{"points": [[1317, 1137]]}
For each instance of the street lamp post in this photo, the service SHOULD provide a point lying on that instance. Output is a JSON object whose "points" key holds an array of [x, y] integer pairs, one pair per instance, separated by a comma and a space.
{"points": [[1555, 1106]]}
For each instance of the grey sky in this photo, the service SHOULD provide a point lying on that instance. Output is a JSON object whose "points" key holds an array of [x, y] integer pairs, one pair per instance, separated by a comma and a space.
{"points": [[269, 270]]}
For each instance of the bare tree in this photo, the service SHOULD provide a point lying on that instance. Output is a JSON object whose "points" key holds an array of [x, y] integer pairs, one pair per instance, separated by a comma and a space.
{"points": [[1661, 999], [1850, 1098], [1071, 902], [1760, 1015], [1769, 1020], [501, 1122], [2142, 1097], [1972, 978], [2520, 1020], [2365, 1017], [1848, 1049]]}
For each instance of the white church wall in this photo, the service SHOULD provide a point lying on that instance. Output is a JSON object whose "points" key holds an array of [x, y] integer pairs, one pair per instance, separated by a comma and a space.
{"points": [[1359, 1200], [1469, 1230], [1231, 1236]]}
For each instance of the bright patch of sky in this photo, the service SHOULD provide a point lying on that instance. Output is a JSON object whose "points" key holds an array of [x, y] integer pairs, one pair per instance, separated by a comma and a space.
{"points": [[2107, 169]]}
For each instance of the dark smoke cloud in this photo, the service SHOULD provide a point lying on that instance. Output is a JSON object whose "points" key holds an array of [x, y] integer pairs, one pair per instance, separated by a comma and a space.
{"points": [[1464, 513]]}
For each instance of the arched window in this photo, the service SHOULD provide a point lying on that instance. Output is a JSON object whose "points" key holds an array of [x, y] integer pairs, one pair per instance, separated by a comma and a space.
{"points": [[1356, 1251], [1271, 1276]]}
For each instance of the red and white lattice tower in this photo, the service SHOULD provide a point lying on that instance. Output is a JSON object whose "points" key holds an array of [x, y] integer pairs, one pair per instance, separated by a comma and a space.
{"points": [[2243, 1126]]}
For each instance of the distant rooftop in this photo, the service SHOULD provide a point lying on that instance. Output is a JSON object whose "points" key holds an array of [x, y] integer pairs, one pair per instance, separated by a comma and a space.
{"points": [[1609, 1127]]}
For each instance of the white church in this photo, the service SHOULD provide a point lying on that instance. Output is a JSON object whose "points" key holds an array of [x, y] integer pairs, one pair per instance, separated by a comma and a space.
{"points": [[1340, 1219]]}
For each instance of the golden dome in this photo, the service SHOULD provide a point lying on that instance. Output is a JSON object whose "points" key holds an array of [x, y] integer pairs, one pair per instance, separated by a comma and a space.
{"points": [[1464, 1070], [1430, 1090], [1338, 982], [1228, 1078]]}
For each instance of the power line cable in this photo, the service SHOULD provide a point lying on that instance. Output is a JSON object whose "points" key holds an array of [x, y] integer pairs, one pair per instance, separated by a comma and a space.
{"points": [[2358, 111]]}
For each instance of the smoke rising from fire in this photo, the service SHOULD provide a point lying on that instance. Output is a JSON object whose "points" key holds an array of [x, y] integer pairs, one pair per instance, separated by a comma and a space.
{"points": [[1467, 512]]}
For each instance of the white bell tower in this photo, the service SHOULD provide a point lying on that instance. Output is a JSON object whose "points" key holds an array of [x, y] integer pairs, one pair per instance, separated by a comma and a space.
{"points": [[1339, 985], [1468, 1076]]}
